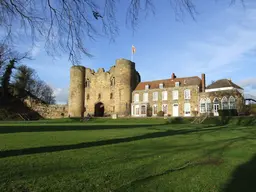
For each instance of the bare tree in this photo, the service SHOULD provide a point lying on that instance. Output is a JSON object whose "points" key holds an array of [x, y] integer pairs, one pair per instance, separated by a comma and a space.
{"points": [[65, 25], [37, 88], [8, 53], [5, 54], [47, 95]]}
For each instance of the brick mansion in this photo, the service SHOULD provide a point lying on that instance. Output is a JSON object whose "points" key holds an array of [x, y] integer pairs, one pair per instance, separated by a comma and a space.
{"points": [[120, 91]]}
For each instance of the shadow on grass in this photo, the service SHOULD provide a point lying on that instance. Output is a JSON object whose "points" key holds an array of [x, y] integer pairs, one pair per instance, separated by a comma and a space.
{"points": [[243, 178], [212, 157], [200, 162], [82, 127], [35, 150]]}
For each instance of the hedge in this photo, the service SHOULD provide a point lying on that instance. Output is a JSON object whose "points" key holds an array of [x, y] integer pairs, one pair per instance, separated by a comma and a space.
{"points": [[228, 112]]}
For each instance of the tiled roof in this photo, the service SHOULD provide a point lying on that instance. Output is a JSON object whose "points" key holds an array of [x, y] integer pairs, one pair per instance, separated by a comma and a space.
{"points": [[223, 83], [170, 83]]}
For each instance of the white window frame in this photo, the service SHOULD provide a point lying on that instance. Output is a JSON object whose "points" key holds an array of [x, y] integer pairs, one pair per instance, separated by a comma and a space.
{"points": [[137, 110], [145, 97], [161, 86], [155, 96], [177, 84], [207, 104], [142, 111], [175, 95], [164, 95], [202, 106], [136, 98], [146, 87], [215, 106], [187, 112], [233, 100], [224, 100], [187, 94]]}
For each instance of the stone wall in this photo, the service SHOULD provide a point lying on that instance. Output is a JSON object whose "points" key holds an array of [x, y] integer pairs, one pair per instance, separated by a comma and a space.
{"points": [[76, 91], [112, 88], [194, 98], [47, 111]]}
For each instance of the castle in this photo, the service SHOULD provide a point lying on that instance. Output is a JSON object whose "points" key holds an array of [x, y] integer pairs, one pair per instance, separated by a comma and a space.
{"points": [[120, 91]]}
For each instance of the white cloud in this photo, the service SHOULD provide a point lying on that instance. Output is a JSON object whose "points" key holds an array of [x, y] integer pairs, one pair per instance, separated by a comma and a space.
{"points": [[61, 95], [249, 86], [220, 50], [250, 82]]}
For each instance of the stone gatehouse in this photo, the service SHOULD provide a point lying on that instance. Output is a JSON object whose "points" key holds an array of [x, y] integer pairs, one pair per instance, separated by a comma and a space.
{"points": [[103, 92], [120, 91]]}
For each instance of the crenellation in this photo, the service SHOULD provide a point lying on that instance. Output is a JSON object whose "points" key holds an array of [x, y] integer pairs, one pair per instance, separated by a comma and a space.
{"points": [[112, 92], [110, 89]]}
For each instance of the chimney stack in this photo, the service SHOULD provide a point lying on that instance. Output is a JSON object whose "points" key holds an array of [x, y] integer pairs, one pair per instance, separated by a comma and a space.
{"points": [[173, 76], [203, 82]]}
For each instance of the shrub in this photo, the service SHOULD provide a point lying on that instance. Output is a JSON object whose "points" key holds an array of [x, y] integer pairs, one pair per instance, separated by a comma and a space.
{"points": [[149, 111], [176, 120], [160, 113], [227, 112], [245, 110]]}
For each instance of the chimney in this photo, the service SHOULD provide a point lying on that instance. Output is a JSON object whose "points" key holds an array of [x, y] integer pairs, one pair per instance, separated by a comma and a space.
{"points": [[173, 76], [203, 82]]}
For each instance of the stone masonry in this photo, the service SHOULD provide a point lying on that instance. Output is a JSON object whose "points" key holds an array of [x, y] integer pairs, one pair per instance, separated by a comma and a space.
{"points": [[110, 91], [194, 91], [104, 93], [47, 111]]}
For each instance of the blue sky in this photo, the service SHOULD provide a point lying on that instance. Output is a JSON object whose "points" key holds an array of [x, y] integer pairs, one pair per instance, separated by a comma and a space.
{"points": [[221, 43]]}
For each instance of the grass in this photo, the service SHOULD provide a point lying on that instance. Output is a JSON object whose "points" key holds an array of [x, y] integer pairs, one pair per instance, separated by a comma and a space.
{"points": [[126, 155]]}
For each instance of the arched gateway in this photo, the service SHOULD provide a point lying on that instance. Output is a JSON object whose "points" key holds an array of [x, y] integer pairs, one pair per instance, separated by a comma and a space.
{"points": [[99, 109]]}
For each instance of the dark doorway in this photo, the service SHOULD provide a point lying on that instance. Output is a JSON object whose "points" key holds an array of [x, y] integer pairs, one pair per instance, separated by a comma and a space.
{"points": [[99, 109]]}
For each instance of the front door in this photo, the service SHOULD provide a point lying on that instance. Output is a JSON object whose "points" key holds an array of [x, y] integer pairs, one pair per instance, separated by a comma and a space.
{"points": [[215, 109], [175, 111], [99, 109]]}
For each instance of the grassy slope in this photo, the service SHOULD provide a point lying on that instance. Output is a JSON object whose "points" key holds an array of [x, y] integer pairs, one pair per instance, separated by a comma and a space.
{"points": [[126, 157]]}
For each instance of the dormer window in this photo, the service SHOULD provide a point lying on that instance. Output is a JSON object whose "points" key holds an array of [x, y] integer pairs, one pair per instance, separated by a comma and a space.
{"points": [[177, 84], [185, 82], [146, 87], [161, 86]]}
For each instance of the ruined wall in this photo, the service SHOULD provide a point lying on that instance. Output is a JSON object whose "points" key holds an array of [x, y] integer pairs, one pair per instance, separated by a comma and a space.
{"points": [[47, 111], [113, 88]]}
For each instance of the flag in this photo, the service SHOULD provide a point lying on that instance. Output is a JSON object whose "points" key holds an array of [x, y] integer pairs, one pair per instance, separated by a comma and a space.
{"points": [[133, 49]]}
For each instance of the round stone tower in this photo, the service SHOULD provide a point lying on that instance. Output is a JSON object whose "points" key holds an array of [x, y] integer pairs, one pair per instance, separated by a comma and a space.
{"points": [[76, 91], [125, 78]]}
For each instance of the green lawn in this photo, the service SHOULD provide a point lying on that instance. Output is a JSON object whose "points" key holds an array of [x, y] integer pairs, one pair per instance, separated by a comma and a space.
{"points": [[126, 155]]}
